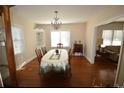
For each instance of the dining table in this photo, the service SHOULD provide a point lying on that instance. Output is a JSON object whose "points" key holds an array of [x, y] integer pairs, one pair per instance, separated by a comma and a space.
{"points": [[55, 59]]}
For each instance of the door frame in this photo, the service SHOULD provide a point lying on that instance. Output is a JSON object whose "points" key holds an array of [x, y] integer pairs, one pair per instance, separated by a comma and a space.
{"points": [[119, 61], [4, 10]]}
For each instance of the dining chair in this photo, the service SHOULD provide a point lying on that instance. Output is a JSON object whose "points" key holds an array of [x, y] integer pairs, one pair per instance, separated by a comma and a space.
{"points": [[69, 60], [39, 54], [59, 45], [44, 50], [70, 54]]}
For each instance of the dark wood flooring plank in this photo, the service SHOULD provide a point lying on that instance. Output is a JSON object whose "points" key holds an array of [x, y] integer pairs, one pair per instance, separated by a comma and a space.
{"points": [[84, 74]]}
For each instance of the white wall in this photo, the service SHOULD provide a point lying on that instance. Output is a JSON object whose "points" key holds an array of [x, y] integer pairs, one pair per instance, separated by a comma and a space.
{"points": [[77, 32], [29, 38]]}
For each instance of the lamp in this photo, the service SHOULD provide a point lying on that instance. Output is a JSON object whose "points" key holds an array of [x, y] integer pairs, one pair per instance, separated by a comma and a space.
{"points": [[56, 23], [99, 42]]}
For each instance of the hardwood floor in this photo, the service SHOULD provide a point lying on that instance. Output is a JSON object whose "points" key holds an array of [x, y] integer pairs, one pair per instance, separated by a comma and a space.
{"points": [[84, 74]]}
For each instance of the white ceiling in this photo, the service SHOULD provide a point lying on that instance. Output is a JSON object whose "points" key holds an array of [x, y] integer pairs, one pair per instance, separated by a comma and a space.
{"points": [[67, 13]]}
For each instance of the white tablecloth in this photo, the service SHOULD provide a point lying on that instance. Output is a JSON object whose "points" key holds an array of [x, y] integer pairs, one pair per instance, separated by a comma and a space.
{"points": [[49, 62]]}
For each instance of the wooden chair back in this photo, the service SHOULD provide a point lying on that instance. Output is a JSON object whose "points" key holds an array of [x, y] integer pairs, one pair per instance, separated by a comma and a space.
{"points": [[44, 50], [59, 45], [69, 60], [39, 54], [70, 54]]}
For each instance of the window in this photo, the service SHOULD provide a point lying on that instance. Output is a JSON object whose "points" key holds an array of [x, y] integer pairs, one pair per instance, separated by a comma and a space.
{"points": [[117, 37], [40, 38], [65, 38], [107, 37], [55, 38], [60, 37], [17, 40], [112, 37]]}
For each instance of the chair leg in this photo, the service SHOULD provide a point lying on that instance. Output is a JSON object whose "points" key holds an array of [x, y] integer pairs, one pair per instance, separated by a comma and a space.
{"points": [[42, 72], [69, 74]]}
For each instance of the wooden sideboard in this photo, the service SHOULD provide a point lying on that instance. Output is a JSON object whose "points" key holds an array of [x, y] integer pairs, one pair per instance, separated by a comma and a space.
{"points": [[78, 48]]}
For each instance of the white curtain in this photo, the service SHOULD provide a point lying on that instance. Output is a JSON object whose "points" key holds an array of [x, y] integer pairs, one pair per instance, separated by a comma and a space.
{"points": [[18, 44], [40, 39], [117, 37], [112, 37], [107, 37], [55, 38], [60, 37], [16, 35], [65, 38]]}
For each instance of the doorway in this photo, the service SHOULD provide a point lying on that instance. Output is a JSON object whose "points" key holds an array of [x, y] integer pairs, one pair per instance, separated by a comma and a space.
{"points": [[108, 41], [101, 50]]}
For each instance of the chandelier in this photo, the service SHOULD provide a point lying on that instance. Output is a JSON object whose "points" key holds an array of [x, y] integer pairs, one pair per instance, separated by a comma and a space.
{"points": [[56, 23]]}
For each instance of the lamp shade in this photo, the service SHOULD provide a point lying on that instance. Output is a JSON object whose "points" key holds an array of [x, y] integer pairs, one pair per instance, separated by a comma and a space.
{"points": [[99, 41]]}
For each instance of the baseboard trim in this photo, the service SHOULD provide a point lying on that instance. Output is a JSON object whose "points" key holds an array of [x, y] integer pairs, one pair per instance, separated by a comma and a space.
{"points": [[90, 61], [19, 67], [25, 62]]}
